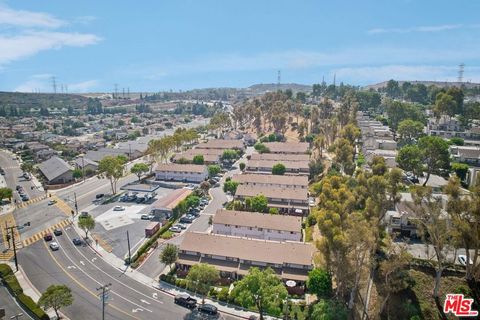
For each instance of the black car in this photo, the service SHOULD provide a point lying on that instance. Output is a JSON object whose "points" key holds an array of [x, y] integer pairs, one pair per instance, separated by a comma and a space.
{"points": [[57, 232], [77, 241], [186, 301], [208, 308], [186, 220], [99, 196], [48, 237]]}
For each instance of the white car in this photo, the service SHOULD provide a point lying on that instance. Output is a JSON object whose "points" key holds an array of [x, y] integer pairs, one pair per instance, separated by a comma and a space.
{"points": [[54, 246], [119, 208], [462, 259]]}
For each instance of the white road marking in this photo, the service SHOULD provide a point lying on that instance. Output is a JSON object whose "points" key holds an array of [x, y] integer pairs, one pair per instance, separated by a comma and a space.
{"points": [[71, 267], [82, 263], [93, 259], [144, 301], [136, 310], [155, 295]]}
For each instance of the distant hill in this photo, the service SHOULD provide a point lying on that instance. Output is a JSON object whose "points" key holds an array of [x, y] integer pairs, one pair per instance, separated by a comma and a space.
{"points": [[441, 84], [41, 100], [264, 87]]}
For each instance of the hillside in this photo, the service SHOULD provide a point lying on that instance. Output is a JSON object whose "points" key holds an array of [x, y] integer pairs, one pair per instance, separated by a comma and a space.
{"points": [[41, 100], [442, 84]]}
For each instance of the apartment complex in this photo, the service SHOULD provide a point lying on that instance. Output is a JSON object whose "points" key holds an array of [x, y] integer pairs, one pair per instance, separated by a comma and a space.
{"points": [[181, 172]]}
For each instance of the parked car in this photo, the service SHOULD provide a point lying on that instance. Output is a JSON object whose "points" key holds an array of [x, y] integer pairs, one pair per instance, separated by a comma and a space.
{"points": [[99, 195], [175, 229], [191, 216], [77, 241], [462, 259], [208, 308], [147, 216], [181, 226], [57, 232], [54, 246], [52, 202], [186, 301], [140, 199], [48, 237], [18, 188], [118, 208], [84, 214], [186, 220], [25, 197]]}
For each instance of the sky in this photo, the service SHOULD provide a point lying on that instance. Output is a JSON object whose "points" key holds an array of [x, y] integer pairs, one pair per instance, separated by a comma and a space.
{"points": [[157, 45]]}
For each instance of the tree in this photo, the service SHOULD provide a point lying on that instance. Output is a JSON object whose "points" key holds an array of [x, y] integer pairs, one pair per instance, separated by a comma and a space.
{"points": [[111, 167], [445, 105], [278, 169], [393, 89], [344, 155], [261, 148], [435, 155], [460, 169], [432, 225], [213, 170], [198, 159], [201, 277], [378, 165], [77, 173], [56, 297], [320, 282], [350, 132], [456, 141], [6, 193], [138, 169], [86, 223], [258, 203], [230, 186], [26, 167], [169, 254], [242, 166], [394, 180], [409, 158], [230, 154], [409, 131], [329, 310], [262, 289]]}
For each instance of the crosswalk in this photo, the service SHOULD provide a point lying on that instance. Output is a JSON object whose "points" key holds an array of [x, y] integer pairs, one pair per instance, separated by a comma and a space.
{"points": [[38, 236], [7, 220], [29, 202], [62, 205], [6, 256]]}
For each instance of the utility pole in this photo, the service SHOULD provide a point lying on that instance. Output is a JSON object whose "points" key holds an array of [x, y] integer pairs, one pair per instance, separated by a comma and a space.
{"points": [[104, 297], [76, 204], [129, 253], [54, 84], [14, 245]]}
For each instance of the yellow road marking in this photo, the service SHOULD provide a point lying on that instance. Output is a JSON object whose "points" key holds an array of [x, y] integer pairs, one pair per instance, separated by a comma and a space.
{"points": [[39, 235], [81, 285]]}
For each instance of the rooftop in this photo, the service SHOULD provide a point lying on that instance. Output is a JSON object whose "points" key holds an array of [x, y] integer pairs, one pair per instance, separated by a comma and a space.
{"points": [[271, 179], [280, 157], [54, 167], [174, 167], [221, 144], [287, 147], [249, 249], [274, 193], [258, 220]]}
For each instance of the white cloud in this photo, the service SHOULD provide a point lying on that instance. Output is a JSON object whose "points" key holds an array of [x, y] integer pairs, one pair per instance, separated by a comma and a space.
{"points": [[22, 18], [85, 19], [437, 28], [82, 87], [42, 83], [369, 74], [27, 44]]}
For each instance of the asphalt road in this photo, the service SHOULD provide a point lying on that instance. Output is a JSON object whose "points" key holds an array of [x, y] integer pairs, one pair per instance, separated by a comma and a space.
{"points": [[13, 177], [10, 305], [84, 271]]}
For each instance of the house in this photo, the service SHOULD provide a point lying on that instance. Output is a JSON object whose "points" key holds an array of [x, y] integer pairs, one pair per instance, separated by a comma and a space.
{"points": [[98, 155], [372, 143], [280, 157], [163, 207], [388, 155], [181, 172], [287, 147], [265, 167], [56, 171], [234, 256], [270, 180], [86, 164], [222, 144], [257, 225], [466, 154], [232, 135], [286, 200], [44, 154]]}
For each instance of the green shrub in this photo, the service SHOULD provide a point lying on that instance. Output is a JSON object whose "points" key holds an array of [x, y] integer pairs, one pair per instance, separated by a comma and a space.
{"points": [[5, 270], [223, 295], [213, 292], [13, 284], [168, 278], [32, 306], [463, 289]]}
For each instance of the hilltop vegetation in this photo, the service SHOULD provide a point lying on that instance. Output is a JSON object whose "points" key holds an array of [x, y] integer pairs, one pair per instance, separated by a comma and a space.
{"points": [[24, 102]]}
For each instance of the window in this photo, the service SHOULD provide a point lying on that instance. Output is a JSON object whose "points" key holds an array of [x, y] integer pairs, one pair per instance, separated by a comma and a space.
{"points": [[260, 229]]}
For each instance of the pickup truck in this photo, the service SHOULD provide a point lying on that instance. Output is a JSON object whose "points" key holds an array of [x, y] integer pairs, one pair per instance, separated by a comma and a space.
{"points": [[186, 301]]}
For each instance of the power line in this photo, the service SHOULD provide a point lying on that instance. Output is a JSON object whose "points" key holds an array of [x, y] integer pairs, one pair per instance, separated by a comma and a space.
{"points": [[54, 84], [279, 77]]}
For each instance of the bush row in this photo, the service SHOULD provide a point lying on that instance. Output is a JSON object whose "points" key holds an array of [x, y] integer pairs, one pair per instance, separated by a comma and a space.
{"points": [[153, 239], [11, 282]]}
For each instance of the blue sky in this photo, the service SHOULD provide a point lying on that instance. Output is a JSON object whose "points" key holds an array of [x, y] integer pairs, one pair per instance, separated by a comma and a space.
{"points": [[161, 45]]}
